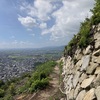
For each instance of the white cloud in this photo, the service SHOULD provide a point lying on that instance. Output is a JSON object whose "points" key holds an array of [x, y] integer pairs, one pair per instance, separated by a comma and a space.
{"points": [[68, 18], [39, 9], [27, 21], [43, 25]]}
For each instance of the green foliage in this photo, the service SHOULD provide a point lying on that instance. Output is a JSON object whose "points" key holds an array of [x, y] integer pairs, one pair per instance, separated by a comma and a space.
{"points": [[39, 84], [84, 33], [1, 83], [32, 82], [83, 38], [12, 89], [96, 13], [8, 97], [2, 93], [69, 49], [39, 78]]}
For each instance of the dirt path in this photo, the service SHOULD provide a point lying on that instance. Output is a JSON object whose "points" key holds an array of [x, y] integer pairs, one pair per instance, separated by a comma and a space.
{"points": [[51, 90]]}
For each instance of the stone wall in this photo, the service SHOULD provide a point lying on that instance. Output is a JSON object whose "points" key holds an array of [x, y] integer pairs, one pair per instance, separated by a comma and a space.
{"points": [[81, 74]]}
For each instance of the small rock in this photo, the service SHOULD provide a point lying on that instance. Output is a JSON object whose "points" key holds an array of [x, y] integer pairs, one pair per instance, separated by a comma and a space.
{"points": [[96, 59], [78, 51], [90, 69], [87, 51], [96, 53], [85, 62], [97, 36], [97, 70], [71, 94], [97, 92], [76, 78], [78, 54], [70, 80], [83, 76], [93, 26], [97, 44], [89, 95], [78, 65], [62, 99], [87, 82], [96, 81], [77, 91], [69, 84], [98, 29], [81, 95]]}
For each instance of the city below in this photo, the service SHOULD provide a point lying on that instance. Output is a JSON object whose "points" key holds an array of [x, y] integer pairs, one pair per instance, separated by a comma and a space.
{"points": [[15, 62]]}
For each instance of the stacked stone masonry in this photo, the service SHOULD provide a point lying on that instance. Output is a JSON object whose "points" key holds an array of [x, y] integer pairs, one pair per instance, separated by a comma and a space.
{"points": [[82, 79]]}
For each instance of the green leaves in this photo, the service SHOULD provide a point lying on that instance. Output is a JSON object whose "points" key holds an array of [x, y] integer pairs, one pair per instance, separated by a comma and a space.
{"points": [[2, 92], [39, 78], [96, 13]]}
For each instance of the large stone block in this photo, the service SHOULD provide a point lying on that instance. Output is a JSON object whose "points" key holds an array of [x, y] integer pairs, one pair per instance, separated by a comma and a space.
{"points": [[81, 95], [89, 95], [85, 62], [97, 70], [97, 92], [76, 78], [90, 69], [87, 81], [78, 88]]}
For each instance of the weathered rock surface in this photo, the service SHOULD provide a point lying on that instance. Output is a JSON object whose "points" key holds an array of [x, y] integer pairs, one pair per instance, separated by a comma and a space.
{"points": [[96, 81], [96, 53], [82, 71], [96, 59], [88, 50], [89, 95], [85, 62], [97, 44], [97, 92], [81, 95], [90, 69], [83, 76], [78, 88], [76, 79], [87, 82], [71, 94], [97, 70]]}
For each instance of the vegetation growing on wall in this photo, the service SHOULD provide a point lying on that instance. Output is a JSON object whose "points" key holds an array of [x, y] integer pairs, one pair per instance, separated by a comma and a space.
{"points": [[84, 38]]}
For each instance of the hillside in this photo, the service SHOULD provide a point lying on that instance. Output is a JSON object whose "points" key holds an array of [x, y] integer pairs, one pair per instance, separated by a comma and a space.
{"points": [[76, 76]]}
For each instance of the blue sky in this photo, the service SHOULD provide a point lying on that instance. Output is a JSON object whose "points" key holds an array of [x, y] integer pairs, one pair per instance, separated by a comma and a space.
{"points": [[40, 23]]}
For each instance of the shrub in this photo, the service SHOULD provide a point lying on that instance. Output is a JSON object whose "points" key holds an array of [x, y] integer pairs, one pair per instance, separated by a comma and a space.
{"points": [[42, 75], [39, 84], [8, 97], [39, 78], [2, 93], [1, 83], [12, 89], [96, 13], [82, 42]]}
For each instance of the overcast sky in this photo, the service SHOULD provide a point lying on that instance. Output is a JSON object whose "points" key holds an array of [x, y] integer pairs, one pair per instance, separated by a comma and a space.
{"points": [[40, 23]]}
